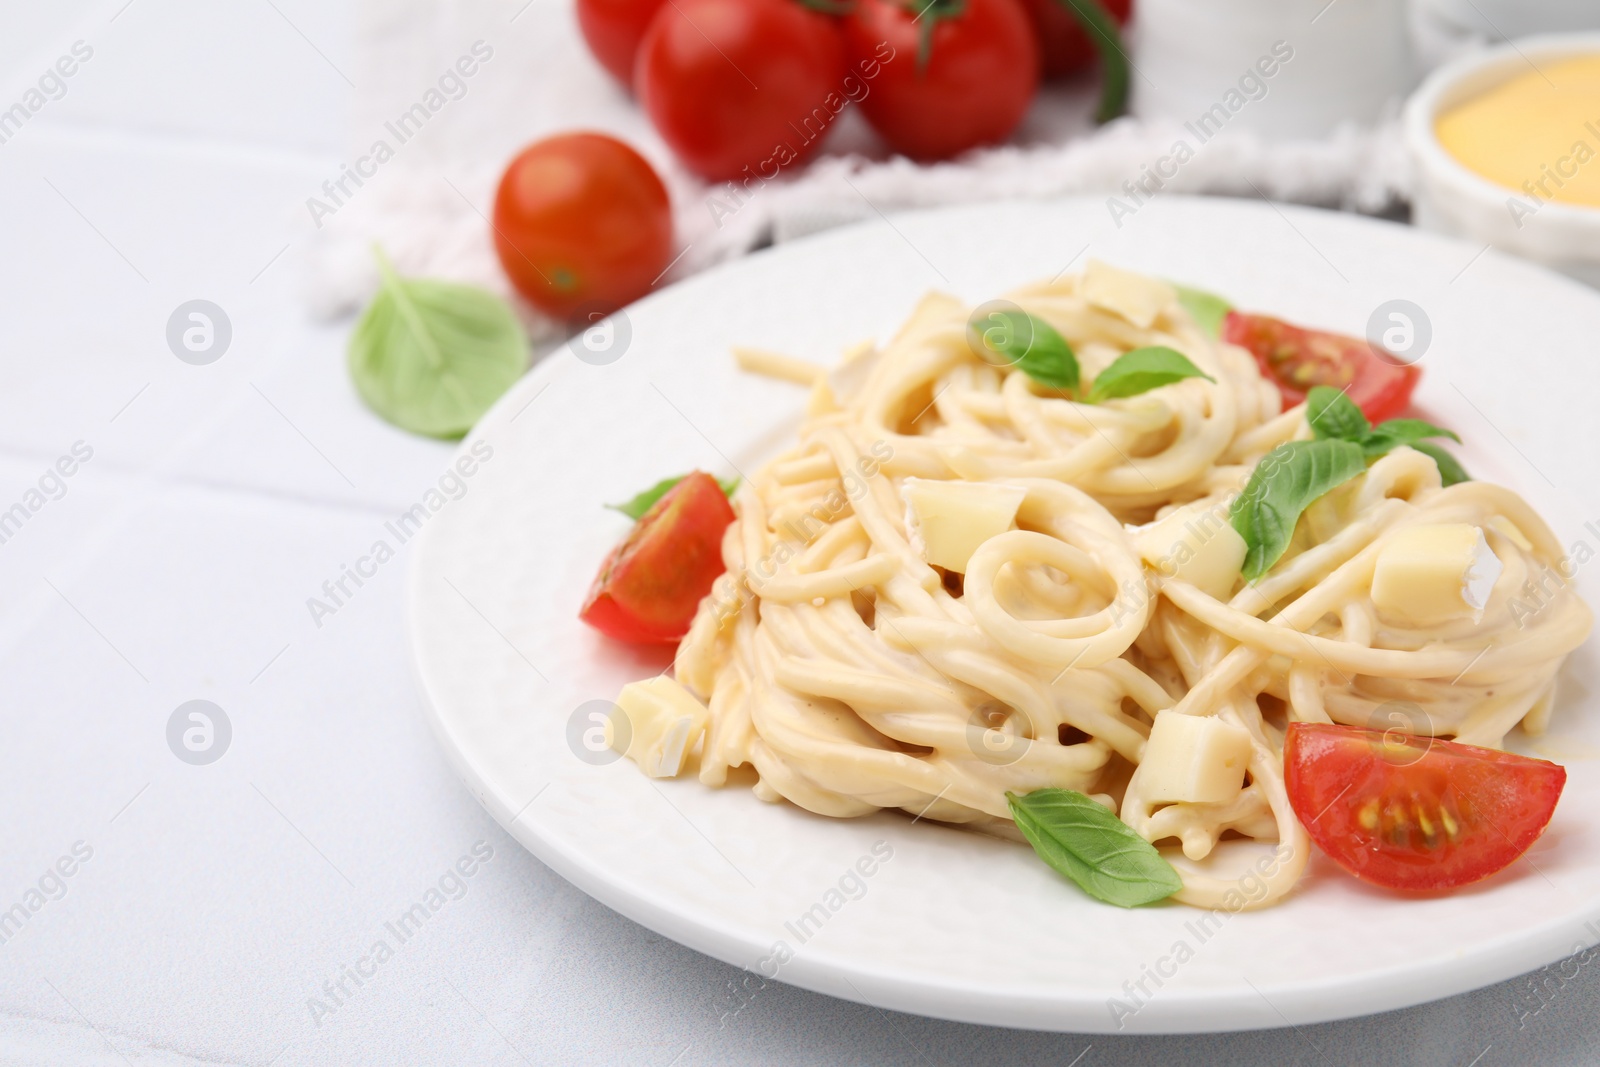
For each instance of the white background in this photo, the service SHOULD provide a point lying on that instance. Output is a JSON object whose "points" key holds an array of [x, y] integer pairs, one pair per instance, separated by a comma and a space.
{"points": [[218, 899]]}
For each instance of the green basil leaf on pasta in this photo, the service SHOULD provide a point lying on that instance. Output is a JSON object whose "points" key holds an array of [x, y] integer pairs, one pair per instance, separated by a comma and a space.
{"points": [[1033, 346], [1286, 482], [1090, 845], [1332, 414], [1142, 370], [1390, 435], [431, 357], [1451, 472], [1207, 309], [643, 502]]}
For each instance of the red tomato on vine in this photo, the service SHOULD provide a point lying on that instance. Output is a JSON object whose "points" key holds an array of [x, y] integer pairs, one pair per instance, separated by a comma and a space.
{"points": [[963, 72], [731, 84]]}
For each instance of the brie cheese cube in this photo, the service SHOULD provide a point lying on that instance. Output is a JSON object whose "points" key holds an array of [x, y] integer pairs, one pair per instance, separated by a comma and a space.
{"points": [[1195, 544], [665, 722], [1433, 574], [1135, 297], [949, 520], [1193, 759]]}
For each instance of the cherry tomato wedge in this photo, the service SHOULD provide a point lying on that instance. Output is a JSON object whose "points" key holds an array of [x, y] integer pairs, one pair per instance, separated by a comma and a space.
{"points": [[1063, 45], [1295, 359], [648, 589], [1414, 813], [582, 224], [970, 86], [613, 30]]}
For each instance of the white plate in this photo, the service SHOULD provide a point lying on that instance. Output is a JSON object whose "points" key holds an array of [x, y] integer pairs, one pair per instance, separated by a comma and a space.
{"points": [[954, 924]]}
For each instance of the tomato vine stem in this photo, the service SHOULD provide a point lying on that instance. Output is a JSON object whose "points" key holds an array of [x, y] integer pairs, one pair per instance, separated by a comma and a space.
{"points": [[1114, 65], [929, 13]]}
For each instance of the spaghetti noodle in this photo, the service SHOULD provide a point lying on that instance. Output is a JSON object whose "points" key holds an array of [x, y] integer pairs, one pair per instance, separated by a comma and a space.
{"points": [[853, 675]]}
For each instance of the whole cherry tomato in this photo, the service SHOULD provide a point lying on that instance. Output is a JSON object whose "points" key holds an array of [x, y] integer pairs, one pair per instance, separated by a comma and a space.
{"points": [[614, 29], [1064, 47], [736, 84], [582, 224], [963, 72]]}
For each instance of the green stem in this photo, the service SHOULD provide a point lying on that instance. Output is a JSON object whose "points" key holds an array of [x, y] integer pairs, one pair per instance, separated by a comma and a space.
{"points": [[928, 15], [1103, 32]]}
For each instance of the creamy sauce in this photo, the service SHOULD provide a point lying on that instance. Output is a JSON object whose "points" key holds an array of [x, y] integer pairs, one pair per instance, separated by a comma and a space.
{"points": [[838, 660], [1537, 134]]}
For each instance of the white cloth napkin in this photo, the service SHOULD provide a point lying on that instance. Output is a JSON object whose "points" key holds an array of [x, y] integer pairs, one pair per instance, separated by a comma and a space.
{"points": [[427, 206]]}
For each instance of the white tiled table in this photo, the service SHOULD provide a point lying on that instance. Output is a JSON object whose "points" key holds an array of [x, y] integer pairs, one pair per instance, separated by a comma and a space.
{"points": [[218, 899]]}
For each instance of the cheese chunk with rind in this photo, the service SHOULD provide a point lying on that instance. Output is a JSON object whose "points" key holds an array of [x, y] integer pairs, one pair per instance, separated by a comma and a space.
{"points": [[949, 520], [1193, 759], [665, 721], [1432, 574]]}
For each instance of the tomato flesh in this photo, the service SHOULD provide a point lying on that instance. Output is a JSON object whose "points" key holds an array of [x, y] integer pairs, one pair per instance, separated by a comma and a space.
{"points": [[1064, 47], [1295, 359], [651, 584], [981, 73], [582, 225], [1415, 813]]}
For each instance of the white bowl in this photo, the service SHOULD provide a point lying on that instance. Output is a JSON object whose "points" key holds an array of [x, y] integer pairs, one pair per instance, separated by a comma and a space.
{"points": [[1516, 18], [1450, 198]]}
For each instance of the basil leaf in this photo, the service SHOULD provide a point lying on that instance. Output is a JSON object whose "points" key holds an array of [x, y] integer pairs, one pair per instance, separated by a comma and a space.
{"points": [[1451, 471], [1390, 435], [1142, 370], [1332, 414], [1094, 848], [1286, 481], [1033, 346], [644, 501], [1207, 309], [431, 357]]}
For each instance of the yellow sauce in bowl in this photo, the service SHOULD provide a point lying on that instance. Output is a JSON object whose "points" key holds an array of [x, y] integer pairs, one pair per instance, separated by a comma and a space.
{"points": [[1537, 134]]}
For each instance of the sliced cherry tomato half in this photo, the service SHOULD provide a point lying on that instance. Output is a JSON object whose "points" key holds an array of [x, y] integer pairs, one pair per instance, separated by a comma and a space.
{"points": [[650, 586], [1416, 813], [1295, 359]]}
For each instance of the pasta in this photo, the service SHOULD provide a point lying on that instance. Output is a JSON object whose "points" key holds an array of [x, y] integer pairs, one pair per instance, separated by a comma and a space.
{"points": [[853, 675]]}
